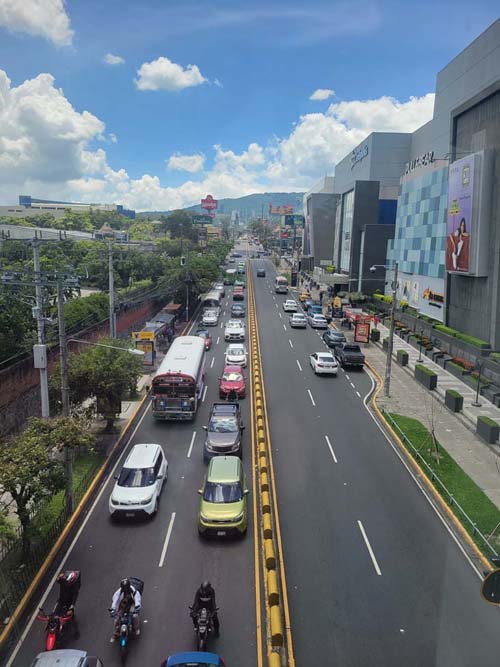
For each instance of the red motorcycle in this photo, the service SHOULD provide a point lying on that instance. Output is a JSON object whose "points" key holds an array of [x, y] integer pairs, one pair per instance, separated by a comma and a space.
{"points": [[55, 627]]}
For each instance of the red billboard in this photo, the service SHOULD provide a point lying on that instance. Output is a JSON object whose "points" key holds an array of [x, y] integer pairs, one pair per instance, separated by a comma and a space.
{"points": [[209, 203], [361, 332]]}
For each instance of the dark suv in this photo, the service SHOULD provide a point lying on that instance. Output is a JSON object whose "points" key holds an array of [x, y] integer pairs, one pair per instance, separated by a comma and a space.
{"points": [[224, 431], [237, 310]]}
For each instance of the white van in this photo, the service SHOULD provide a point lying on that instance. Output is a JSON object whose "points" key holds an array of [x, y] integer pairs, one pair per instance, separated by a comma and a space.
{"points": [[138, 486]]}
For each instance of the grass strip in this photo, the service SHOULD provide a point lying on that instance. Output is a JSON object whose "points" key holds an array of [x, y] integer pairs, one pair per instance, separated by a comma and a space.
{"points": [[481, 510]]}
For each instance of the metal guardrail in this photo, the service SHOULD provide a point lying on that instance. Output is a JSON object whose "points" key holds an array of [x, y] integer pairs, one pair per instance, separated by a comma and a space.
{"points": [[438, 482]]}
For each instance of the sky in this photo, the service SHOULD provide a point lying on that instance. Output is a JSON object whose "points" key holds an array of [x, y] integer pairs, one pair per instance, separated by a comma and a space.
{"points": [[154, 104]]}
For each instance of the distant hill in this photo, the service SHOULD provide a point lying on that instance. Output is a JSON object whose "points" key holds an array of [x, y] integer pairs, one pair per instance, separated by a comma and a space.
{"points": [[248, 206]]}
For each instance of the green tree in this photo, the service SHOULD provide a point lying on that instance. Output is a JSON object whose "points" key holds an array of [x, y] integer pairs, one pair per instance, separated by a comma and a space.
{"points": [[106, 375], [29, 468]]}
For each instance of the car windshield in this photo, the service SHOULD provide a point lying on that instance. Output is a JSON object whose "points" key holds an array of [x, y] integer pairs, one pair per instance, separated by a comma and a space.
{"points": [[203, 334], [326, 358], [232, 377], [352, 348], [136, 477], [223, 425], [222, 493], [235, 351]]}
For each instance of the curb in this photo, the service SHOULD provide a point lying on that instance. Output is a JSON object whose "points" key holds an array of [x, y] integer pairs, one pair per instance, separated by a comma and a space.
{"points": [[428, 483]]}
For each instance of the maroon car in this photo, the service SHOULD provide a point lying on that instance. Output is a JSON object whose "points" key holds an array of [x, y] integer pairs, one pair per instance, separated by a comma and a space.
{"points": [[205, 333], [232, 383]]}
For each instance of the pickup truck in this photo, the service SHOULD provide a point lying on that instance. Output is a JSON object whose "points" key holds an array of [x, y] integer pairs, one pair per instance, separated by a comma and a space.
{"points": [[349, 354]]}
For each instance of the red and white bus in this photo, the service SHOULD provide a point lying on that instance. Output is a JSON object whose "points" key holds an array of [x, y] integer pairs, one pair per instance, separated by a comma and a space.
{"points": [[179, 381], [281, 285]]}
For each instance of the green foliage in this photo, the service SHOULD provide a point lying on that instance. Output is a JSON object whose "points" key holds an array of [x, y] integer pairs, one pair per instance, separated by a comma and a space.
{"points": [[29, 471], [488, 421], [453, 393], [471, 340], [16, 322], [445, 329], [106, 374], [81, 313], [403, 304], [356, 297], [425, 370], [495, 356], [383, 297]]}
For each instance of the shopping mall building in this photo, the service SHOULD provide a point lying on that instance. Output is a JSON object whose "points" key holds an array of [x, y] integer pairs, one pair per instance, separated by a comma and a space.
{"points": [[430, 201]]}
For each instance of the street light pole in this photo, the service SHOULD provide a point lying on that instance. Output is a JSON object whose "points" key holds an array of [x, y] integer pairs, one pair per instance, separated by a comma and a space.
{"points": [[387, 381], [476, 403], [63, 351], [44, 381]]}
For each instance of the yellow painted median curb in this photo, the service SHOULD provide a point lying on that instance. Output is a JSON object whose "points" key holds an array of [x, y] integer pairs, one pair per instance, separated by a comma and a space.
{"points": [[265, 502], [276, 626], [269, 554], [267, 526], [273, 591], [274, 659]]}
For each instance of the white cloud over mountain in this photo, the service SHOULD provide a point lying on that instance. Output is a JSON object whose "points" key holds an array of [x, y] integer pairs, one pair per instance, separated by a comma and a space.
{"points": [[163, 74], [41, 18], [50, 149]]}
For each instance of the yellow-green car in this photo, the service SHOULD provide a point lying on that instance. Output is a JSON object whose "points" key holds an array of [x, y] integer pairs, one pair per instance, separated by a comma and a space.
{"points": [[223, 502]]}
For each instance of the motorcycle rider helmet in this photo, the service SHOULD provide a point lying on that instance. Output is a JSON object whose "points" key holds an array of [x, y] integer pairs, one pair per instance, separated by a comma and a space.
{"points": [[206, 588], [125, 585]]}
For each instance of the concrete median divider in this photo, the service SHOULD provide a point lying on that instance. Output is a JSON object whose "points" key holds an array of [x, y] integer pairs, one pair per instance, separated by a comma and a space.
{"points": [[264, 482], [270, 554], [262, 464], [273, 591], [267, 526], [274, 659], [265, 503], [276, 626]]}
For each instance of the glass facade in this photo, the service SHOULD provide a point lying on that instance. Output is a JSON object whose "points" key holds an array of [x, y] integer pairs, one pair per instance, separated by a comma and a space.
{"points": [[420, 238], [347, 216]]}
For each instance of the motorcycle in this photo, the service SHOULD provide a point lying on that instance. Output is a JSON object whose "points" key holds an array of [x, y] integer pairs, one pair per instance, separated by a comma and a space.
{"points": [[55, 627], [126, 623], [204, 628]]}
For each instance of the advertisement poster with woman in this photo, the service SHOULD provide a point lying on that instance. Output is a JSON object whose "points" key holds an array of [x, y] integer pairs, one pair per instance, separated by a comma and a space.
{"points": [[460, 189]]}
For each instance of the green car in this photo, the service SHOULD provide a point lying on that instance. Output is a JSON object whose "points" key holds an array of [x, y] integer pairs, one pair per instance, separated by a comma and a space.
{"points": [[223, 502]]}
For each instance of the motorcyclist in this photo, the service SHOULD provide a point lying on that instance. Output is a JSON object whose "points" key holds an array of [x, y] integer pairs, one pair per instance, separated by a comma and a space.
{"points": [[204, 598], [69, 586], [126, 599]]}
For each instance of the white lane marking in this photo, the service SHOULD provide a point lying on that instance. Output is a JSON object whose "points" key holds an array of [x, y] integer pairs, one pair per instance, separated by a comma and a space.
{"points": [[347, 377], [72, 546], [352, 385], [424, 491], [291, 344], [298, 364], [331, 448], [280, 314], [311, 397], [222, 325], [276, 305], [284, 327], [191, 445], [167, 540], [274, 298], [218, 339], [370, 550], [212, 362], [359, 395], [204, 394]]}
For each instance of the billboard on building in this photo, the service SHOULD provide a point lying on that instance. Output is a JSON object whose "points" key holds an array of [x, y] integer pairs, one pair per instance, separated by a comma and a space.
{"points": [[469, 204]]}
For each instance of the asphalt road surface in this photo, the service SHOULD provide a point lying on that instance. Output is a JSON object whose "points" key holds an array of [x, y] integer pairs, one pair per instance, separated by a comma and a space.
{"points": [[107, 551], [374, 577]]}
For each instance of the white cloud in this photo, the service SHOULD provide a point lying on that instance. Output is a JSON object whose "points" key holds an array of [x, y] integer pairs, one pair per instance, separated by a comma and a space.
{"points": [[111, 59], [190, 163], [47, 149], [113, 138], [42, 18], [163, 74], [217, 83], [321, 94]]}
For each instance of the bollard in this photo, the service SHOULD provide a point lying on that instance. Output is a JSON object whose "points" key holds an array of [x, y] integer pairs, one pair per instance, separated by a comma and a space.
{"points": [[274, 659], [267, 526], [266, 503], [276, 626], [264, 484], [270, 557], [272, 588], [262, 464]]}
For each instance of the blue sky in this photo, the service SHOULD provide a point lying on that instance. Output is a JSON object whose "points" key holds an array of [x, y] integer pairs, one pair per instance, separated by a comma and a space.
{"points": [[256, 65]]}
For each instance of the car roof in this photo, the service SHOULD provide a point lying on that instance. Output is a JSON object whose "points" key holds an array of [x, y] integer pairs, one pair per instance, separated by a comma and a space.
{"points": [[202, 331], [192, 657], [318, 315], [141, 456], [60, 658], [224, 469], [231, 346]]}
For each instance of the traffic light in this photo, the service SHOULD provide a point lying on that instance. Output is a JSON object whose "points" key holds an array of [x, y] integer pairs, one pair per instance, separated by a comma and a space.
{"points": [[183, 261]]}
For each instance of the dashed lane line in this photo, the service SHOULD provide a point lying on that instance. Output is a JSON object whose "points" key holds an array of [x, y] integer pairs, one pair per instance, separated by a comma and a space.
{"points": [[191, 444], [167, 540], [331, 449], [298, 364], [311, 397], [204, 394], [370, 550]]}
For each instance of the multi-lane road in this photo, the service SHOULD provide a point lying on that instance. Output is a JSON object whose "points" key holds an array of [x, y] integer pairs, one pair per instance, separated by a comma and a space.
{"points": [[374, 577]]}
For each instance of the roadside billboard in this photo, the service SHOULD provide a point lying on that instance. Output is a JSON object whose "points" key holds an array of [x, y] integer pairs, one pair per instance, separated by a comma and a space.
{"points": [[209, 203], [460, 224], [361, 332]]}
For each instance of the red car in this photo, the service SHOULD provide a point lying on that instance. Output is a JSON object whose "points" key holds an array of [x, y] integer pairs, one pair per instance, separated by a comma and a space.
{"points": [[205, 333], [232, 380]]}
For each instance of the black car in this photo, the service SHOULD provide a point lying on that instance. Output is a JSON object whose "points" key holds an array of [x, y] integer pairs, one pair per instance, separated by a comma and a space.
{"points": [[224, 431], [333, 338], [261, 273], [237, 310]]}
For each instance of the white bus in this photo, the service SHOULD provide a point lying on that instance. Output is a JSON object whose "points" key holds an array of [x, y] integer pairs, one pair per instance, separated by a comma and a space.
{"points": [[211, 301], [179, 381], [281, 285]]}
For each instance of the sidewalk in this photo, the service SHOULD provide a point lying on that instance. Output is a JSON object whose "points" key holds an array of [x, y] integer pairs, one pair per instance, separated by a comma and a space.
{"points": [[411, 399]]}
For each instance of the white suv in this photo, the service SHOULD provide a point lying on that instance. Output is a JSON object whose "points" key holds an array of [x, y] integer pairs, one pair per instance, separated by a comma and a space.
{"points": [[235, 330], [138, 486]]}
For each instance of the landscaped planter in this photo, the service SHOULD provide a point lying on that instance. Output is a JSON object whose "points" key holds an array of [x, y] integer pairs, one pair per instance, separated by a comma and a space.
{"points": [[375, 335], [455, 369], [425, 376], [453, 400], [487, 429], [402, 357]]}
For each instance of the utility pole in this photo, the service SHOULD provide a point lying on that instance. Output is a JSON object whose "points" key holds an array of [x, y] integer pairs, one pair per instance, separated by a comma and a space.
{"points": [[63, 351], [387, 382], [42, 348], [112, 314]]}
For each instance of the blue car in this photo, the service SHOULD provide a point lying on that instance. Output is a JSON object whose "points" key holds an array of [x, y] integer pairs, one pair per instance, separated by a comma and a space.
{"points": [[194, 659]]}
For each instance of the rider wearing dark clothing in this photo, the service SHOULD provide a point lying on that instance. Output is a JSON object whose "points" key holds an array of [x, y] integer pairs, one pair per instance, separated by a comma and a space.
{"points": [[69, 586], [204, 598]]}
